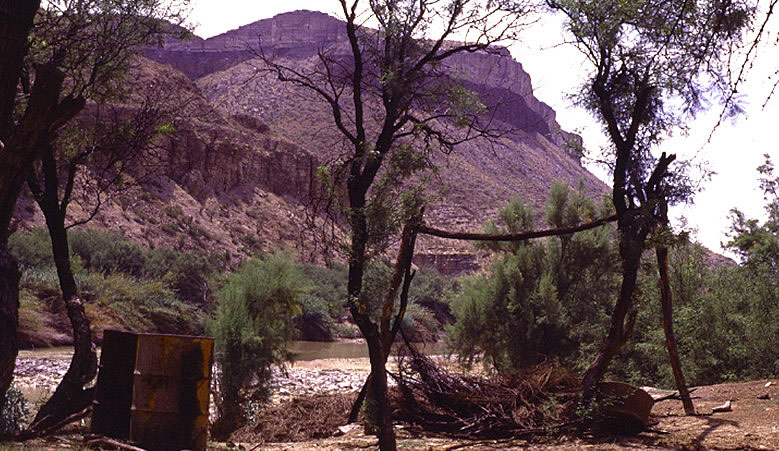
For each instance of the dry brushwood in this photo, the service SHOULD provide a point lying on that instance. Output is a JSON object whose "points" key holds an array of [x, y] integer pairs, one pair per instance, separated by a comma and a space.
{"points": [[531, 402], [298, 419]]}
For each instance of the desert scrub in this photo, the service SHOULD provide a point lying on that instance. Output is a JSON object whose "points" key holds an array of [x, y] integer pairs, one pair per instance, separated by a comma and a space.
{"points": [[252, 326], [13, 411], [148, 306]]}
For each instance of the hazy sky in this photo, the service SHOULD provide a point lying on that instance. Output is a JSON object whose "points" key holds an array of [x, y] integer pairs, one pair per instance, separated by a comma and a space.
{"points": [[734, 152]]}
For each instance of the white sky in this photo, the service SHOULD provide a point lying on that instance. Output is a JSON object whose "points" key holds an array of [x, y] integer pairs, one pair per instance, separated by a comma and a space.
{"points": [[734, 153]]}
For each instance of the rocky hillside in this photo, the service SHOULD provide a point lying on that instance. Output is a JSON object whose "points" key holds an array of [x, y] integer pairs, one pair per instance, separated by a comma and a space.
{"points": [[238, 171]]}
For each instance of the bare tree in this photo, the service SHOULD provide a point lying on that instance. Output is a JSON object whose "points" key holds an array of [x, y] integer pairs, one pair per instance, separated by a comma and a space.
{"points": [[394, 100], [105, 146], [53, 59]]}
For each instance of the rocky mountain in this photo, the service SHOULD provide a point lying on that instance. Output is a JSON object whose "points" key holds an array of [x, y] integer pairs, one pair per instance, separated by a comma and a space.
{"points": [[238, 171]]}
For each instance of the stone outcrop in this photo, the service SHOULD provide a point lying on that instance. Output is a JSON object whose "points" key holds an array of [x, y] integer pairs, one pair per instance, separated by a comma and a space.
{"points": [[239, 168], [296, 35], [500, 81]]}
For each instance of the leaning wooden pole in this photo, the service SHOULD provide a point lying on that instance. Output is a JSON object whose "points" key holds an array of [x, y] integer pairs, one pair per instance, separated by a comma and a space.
{"points": [[670, 338]]}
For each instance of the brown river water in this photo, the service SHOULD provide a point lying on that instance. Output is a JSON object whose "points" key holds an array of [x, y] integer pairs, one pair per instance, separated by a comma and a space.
{"points": [[318, 368], [303, 350]]}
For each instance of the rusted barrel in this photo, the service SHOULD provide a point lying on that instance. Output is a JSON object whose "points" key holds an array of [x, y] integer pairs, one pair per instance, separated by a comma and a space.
{"points": [[114, 391], [170, 378], [623, 408]]}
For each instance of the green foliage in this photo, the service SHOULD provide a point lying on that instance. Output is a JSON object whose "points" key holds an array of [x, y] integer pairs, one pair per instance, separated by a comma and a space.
{"points": [[395, 196], [253, 324], [553, 299], [464, 105], [314, 321], [758, 246], [328, 283], [541, 298], [13, 412], [148, 306], [724, 331], [189, 274], [148, 290], [32, 249], [107, 251]]}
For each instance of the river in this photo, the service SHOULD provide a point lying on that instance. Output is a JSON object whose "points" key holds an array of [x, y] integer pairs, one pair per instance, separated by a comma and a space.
{"points": [[320, 368], [303, 350]]}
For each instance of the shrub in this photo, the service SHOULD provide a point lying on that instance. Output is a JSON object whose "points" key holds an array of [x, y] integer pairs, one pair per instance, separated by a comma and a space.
{"points": [[107, 252], [148, 306], [314, 320], [188, 274], [329, 285], [542, 298], [31, 248], [554, 299], [252, 326], [13, 412]]}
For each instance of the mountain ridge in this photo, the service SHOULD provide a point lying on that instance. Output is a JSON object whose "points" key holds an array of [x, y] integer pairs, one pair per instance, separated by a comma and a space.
{"points": [[239, 173]]}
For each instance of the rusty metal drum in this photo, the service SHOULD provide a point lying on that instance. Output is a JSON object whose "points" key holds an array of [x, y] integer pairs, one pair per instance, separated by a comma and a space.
{"points": [[170, 379]]}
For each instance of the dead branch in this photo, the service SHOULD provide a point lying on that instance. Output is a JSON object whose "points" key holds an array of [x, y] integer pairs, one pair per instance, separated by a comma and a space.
{"points": [[472, 236], [509, 406]]}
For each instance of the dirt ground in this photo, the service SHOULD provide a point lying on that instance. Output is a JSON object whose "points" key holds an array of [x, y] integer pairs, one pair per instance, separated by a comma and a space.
{"points": [[752, 423]]}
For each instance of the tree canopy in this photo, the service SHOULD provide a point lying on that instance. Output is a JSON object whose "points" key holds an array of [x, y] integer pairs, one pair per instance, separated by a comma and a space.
{"points": [[654, 64]]}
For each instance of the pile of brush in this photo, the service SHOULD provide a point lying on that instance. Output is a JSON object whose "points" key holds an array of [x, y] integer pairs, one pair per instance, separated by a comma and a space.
{"points": [[531, 402]]}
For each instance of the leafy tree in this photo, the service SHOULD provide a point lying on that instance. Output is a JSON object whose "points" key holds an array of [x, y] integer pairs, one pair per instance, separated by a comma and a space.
{"points": [[542, 299], [252, 326], [758, 246], [390, 105], [654, 64], [54, 59]]}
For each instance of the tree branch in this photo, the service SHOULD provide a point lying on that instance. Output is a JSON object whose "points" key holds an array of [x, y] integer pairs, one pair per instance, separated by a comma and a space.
{"points": [[470, 236]]}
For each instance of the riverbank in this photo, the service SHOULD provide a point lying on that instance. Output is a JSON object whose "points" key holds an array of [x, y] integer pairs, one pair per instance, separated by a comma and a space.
{"points": [[319, 368], [750, 424], [36, 377]]}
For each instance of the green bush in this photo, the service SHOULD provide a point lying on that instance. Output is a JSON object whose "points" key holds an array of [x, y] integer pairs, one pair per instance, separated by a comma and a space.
{"points": [[148, 306], [31, 248], [314, 321], [13, 412], [554, 299], [189, 274], [252, 326], [43, 281], [329, 285], [107, 251], [541, 299]]}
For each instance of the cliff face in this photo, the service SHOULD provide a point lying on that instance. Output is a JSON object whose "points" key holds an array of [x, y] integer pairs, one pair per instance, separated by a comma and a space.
{"points": [[500, 81], [294, 35], [239, 168]]}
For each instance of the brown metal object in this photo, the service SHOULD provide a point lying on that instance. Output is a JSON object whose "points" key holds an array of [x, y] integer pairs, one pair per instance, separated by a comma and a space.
{"points": [[167, 378], [114, 391], [623, 409]]}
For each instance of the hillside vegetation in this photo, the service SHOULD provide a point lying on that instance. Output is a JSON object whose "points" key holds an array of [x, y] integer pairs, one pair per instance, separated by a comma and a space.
{"points": [[548, 299]]}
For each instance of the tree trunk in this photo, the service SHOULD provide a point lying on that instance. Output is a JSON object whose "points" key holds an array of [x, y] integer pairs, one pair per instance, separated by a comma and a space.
{"points": [[9, 318], [401, 280], [70, 396], [670, 338], [632, 240], [16, 19], [379, 395]]}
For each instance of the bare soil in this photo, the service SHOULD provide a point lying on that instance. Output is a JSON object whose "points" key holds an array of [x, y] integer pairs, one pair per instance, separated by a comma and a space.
{"points": [[316, 422], [753, 423]]}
